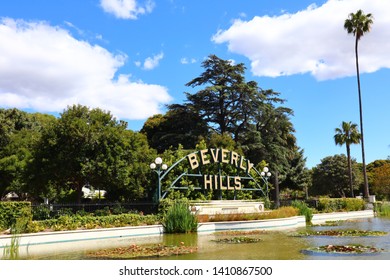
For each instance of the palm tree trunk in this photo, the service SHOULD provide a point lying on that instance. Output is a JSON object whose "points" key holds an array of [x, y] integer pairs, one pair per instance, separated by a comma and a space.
{"points": [[350, 169], [366, 191]]}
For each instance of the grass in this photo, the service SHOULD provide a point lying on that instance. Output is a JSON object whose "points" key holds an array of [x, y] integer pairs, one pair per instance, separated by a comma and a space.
{"points": [[11, 251], [179, 219], [382, 209]]}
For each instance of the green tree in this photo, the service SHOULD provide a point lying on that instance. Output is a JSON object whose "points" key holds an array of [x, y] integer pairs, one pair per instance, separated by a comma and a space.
{"points": [[358, 24], [381, 181], [297, 175], [179, 126], [19, 133], [226, 101], [330, 177], [348, 134], [252, 116], [90, 146], [271, 138]]}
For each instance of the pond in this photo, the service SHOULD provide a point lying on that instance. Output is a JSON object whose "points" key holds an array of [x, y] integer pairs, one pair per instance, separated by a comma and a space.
{"points": [[271, 246]]}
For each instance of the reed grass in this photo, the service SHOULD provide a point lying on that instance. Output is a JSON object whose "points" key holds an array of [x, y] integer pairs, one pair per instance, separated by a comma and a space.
{"points": [[179, 219]]}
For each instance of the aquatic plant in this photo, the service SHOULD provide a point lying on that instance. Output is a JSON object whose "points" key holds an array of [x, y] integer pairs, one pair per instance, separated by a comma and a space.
{"points": [[142, 251], [238, 240], [347, 232], [343, 249], [303, 210], [179, 219]]}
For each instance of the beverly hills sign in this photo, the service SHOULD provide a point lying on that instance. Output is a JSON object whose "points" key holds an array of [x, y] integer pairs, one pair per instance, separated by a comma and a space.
{"points": [[214, 156], [214, 169]]}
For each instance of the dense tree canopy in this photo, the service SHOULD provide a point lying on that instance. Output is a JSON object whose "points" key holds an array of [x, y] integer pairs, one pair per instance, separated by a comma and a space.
{"points": [[90, 147], [330, 177], [19, 132]]}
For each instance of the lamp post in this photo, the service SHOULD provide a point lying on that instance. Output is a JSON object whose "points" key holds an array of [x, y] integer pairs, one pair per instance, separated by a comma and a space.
{"points": [[158, 167], [265, 174]]}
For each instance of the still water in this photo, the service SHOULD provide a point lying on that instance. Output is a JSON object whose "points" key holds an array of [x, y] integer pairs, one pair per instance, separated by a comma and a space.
{"points": [[273, 245]]}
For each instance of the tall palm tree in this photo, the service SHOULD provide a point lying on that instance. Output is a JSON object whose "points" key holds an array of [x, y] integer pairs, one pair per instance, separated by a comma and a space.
{"points": [[358, 24], [348, 134]]}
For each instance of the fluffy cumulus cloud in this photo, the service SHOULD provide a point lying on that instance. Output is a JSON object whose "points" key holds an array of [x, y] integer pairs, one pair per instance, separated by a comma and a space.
{"points": [[126, 9], [312, 41], [46, 69], [152, 62]]}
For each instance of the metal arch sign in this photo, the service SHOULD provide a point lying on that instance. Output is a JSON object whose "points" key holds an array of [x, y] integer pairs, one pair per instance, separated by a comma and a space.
{"points": [[201, 159]]}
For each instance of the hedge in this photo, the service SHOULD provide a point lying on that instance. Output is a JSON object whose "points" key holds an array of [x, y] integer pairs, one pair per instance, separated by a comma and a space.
{"points": [[340, 204], [15, 215]]}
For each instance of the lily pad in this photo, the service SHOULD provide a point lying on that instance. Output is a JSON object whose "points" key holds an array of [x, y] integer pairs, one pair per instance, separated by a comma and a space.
{"points": [[343, 249], [346, 232], [142, 251], [238, 240]]}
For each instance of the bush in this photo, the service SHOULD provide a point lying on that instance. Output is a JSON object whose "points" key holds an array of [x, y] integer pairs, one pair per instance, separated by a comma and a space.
{"points": [[340, 204], [103, 212], [41, 212], [179, 219], [72, 222], [15, 215]]}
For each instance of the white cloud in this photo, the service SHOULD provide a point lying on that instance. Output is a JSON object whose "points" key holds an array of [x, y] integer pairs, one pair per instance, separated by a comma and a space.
{"points": [[311, 41], [44, 68], [126, 9], [152, 62], [186, 60]]}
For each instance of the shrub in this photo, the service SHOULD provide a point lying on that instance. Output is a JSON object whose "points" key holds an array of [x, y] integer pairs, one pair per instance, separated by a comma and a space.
{"points": [[41, 212], [178, 219], [340, 204], [15, 214], [103, 212]]}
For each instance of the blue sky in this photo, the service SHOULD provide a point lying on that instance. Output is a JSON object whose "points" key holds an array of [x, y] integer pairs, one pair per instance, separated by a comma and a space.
{"points": [[131, 57]]}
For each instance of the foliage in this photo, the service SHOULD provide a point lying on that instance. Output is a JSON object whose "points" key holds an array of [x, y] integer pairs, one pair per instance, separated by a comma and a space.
{"points": [[72, 222], [348, 134], [381, 181], [19, 132], [41, 212], [382, 209], [89, 146], [179, 219], [303, 210], [340, 204], [11, 252], [330, 177], [15, 214], [282, 212], [179, 126]]}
